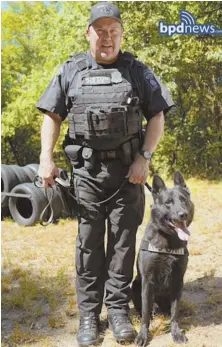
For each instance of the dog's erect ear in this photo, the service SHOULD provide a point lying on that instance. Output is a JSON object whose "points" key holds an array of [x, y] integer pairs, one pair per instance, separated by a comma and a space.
{"points": [[179, 181], [158, 184]]}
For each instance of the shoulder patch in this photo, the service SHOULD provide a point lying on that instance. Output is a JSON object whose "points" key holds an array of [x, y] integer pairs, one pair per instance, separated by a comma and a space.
{"points": [[151, 80]]}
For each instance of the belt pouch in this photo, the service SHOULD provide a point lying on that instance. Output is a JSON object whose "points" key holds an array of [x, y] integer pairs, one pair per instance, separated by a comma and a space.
{"points": [[89, 158]]}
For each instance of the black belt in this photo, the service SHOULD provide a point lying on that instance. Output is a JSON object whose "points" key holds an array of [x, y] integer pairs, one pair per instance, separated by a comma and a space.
{"points": [[107, 155]]}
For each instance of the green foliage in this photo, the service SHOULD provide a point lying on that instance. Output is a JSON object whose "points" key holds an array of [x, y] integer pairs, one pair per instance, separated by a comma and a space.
{"points": [[37, 38]]}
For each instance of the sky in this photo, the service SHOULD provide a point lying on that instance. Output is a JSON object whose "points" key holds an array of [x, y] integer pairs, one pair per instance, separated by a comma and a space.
{"points": [[4, 4]]}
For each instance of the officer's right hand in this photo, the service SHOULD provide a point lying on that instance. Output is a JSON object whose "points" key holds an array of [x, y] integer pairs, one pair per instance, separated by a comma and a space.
{"points": [[47, 171]]}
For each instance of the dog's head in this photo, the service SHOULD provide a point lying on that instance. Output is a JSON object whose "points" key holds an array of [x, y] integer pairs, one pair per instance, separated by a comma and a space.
{"points": [[172, 209]]}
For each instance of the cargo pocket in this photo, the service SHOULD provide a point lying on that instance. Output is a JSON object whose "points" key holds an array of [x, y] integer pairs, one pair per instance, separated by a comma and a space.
{"points": [[84, 198]]}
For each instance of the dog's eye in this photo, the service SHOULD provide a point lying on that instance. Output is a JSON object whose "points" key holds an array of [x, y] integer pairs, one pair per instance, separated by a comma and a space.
{"points": [[169, 201], [182, 199]]}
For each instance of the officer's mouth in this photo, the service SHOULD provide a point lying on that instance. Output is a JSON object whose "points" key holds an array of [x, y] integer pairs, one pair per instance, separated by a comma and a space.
{"points": [[106, 47]]}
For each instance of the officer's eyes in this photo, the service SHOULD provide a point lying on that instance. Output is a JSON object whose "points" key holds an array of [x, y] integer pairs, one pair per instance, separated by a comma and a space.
{"points": [[99, 31], [113, 32]]}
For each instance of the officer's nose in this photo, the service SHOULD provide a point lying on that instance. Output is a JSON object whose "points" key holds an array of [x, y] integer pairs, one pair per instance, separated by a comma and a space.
{"points": [[182, 215], [107, 35]]}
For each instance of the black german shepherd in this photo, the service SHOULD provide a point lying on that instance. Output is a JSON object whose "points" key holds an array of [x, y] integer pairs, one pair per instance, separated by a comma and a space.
{"points": [[163, 256]]}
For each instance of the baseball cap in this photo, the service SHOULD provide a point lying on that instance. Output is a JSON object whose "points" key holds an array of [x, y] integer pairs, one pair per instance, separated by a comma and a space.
{"points": [[104, 9]]}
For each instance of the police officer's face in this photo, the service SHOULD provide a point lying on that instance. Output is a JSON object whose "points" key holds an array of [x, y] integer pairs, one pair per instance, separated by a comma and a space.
{"points": [[104, 36]]}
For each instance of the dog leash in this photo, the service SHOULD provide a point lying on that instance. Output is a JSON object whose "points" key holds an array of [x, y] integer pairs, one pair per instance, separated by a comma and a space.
{"points": [[114, 194], [148, 187], [37, 182]]}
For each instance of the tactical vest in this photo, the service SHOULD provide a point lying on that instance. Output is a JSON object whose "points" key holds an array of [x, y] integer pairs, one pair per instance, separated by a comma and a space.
{"points": [[105, 108]]}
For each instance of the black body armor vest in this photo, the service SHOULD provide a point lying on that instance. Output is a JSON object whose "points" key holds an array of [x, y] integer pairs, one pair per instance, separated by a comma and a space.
{"points": [[105, 110]]}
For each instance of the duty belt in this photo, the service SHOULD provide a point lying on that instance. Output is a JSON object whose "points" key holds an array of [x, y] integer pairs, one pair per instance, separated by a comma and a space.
{"points": [[107, 155]]}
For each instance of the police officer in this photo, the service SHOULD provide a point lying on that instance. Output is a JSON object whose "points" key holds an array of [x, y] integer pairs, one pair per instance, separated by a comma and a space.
{"points": [[104, 93]]}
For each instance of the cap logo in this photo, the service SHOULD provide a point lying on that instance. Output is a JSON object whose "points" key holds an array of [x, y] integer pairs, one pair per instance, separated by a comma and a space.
{"points": [[106, 10]]}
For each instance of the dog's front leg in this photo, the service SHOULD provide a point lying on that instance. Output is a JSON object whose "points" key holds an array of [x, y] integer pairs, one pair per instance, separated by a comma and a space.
{"points": [[177, 334], [143, 337]]}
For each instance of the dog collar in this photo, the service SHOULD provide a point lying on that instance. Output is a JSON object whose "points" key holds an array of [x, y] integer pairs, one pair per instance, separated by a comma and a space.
{"points": [[152, 248]]}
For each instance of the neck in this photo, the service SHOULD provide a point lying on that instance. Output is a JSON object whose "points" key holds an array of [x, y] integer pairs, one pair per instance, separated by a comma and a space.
{"points": [[161, 239], [100, 59]]}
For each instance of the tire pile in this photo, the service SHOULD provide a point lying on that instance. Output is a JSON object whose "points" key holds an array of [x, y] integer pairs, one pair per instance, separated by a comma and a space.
{"points": [[26, 209]]}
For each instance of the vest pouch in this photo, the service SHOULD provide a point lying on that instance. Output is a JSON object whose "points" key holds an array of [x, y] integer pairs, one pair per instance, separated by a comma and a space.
{"points": [[73, 154], [121, 113], [89, 158]]}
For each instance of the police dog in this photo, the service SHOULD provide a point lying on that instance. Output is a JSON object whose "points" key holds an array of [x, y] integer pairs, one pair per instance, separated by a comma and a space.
{"points": [[163, 257]]}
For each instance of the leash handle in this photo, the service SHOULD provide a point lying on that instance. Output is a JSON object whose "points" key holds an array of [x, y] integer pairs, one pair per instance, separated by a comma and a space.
{"points": [[49, 205], [38, 183]]}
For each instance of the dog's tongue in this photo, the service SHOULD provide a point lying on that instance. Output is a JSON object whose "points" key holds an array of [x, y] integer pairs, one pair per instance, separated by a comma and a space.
{"points": [[182, 231]]}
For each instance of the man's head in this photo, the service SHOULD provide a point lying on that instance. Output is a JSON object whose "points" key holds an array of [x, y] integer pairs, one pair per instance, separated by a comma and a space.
{"points": [[104, 32]]}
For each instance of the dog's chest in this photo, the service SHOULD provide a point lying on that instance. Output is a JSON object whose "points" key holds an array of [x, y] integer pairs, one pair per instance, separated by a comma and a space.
{"points": [[165, 271]]}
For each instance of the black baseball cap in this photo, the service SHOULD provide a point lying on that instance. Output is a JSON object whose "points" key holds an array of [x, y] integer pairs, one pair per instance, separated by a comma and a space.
{"points": [[104, 9]]}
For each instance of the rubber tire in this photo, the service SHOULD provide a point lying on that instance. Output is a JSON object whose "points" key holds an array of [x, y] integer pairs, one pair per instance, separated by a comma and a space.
{"points": [[30, 173], [29, 214], [5, 212], [33, 167], [9, 180], [20, 173]]}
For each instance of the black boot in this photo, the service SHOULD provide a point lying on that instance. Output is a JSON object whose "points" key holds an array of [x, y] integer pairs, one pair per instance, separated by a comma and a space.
{"points": [[88, 333], [121, 326]]}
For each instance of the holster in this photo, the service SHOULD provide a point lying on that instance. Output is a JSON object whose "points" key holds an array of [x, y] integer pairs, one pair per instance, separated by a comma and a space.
{"points": [[73, 154]]}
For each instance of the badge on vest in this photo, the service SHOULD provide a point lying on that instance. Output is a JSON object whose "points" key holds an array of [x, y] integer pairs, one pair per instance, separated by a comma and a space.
{"points": [[102, 77], [151, 80]]}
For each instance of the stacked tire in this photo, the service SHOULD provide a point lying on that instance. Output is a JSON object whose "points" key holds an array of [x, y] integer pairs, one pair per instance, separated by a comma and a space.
{"points": [[12, 175], [27, 209]]}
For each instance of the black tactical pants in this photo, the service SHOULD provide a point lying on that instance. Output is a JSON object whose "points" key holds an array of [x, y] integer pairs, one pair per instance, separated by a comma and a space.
{"points": [[106, 274]]}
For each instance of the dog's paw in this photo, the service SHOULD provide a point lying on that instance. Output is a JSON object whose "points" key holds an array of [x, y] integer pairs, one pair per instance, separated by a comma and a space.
{"points": [[179, 337], [142, 338]]}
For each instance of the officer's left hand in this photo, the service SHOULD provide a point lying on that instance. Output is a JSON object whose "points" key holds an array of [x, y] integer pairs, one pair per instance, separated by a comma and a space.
{"points": [[138, 170]]}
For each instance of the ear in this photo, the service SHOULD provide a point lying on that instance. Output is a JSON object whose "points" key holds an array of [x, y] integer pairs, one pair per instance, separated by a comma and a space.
{"points": [[179, 180], [87, 34], [158, 185]]}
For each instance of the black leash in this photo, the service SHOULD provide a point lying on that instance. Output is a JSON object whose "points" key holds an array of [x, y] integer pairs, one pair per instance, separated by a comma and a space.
{"points": [[37, 182], [148, 187], [112, 196]]}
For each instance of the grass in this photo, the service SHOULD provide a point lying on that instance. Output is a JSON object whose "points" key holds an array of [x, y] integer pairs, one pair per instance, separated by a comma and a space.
{"points": [[38, 270], [19, 336]]}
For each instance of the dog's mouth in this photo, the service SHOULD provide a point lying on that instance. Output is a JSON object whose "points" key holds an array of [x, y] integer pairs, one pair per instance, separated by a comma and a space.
{"points": [[181, 229]]}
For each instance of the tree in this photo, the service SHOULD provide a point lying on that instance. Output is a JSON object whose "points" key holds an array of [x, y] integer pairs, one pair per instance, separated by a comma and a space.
{"points": [[38, 38]]}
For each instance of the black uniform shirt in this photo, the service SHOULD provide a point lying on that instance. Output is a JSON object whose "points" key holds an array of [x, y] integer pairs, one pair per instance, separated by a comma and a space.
{"points": [[154, 95]]}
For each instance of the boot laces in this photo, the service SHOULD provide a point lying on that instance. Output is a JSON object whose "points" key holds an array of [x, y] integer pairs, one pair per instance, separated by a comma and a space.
{"points": [[120, 318], [88, 324]]}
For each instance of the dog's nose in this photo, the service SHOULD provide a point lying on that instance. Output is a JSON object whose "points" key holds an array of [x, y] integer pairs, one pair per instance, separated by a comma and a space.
{"points": [[182, 215]]}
